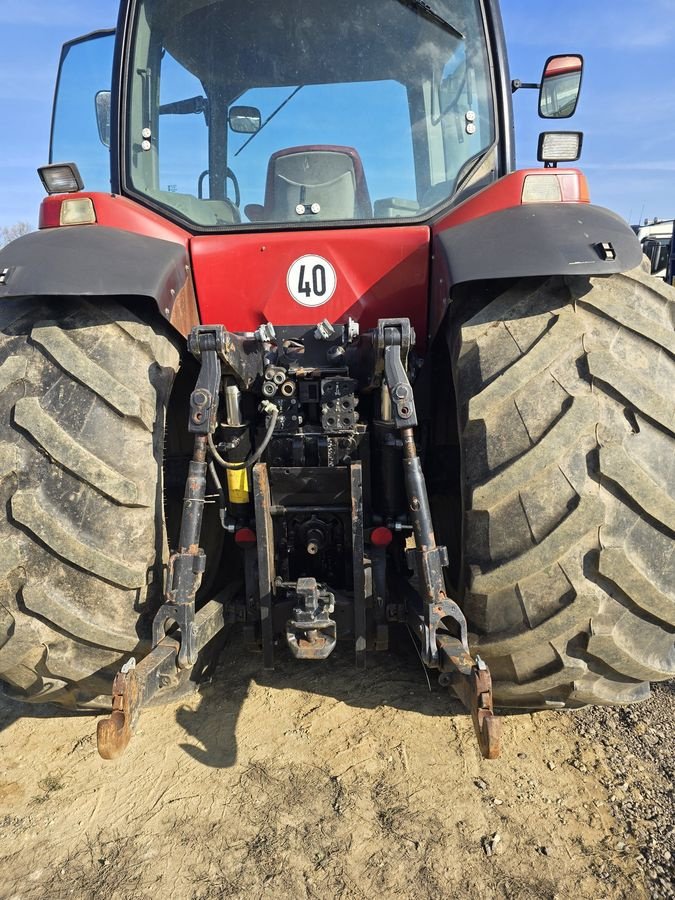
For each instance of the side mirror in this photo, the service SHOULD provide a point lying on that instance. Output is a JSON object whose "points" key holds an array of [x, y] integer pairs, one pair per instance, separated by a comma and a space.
{"points": [[560, 86], [103, 99], [245, 119]]}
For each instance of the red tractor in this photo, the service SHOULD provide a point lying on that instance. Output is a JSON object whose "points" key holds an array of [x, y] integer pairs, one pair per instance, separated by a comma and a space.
{"points": [[296, 349]]}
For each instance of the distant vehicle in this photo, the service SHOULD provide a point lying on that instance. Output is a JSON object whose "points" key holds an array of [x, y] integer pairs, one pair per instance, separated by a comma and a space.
{"points": [[656, 240], [670, 274]]}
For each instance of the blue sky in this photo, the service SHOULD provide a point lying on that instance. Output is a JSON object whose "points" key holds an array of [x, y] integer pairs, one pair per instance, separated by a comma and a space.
{"points": [[627, 110]]}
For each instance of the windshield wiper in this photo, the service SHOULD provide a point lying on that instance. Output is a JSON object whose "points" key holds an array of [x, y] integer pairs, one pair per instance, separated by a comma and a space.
{"points": [[270, 117], [425, 10]]}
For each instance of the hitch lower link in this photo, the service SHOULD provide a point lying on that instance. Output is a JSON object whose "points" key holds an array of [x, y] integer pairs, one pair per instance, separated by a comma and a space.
{"points": [[468, 678], [173, 656]]}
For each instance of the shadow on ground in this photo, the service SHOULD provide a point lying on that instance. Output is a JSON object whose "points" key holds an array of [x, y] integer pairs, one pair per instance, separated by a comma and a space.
{"points": [[395, 679]]}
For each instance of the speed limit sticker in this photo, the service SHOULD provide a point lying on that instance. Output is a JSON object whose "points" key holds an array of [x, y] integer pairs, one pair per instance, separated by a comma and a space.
{"points": [[311, 280]]}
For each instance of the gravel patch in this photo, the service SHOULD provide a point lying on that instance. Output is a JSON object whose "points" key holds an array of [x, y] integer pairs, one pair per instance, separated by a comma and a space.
{"points": [[639, 742]]}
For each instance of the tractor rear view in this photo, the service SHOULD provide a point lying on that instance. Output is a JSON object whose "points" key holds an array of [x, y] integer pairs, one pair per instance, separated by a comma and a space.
{"points": [[298, 351]]}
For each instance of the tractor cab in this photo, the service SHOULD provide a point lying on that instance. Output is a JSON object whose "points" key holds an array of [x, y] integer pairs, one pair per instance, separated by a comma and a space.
{"points": [[233, 115]]}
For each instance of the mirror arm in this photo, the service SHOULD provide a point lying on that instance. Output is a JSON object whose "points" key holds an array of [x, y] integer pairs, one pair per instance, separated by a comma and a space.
{"points": [[517, 84], [190, 107]]}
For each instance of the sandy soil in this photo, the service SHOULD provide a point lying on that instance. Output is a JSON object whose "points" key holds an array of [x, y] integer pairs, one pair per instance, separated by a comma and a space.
{"points": [[318, 781]]}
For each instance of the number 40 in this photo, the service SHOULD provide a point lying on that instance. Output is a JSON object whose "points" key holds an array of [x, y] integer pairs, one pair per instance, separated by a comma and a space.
{"points": [[317, 286]]}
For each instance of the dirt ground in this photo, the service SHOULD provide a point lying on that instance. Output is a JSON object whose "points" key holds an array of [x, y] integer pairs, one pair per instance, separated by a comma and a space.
{"points": [[326, 782]]}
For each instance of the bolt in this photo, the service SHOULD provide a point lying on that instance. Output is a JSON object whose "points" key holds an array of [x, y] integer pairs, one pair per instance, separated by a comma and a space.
{"points": [[335, 353]]}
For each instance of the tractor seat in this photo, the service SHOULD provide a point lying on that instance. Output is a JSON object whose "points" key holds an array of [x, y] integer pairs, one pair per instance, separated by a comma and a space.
{"points": [[330, 179]]}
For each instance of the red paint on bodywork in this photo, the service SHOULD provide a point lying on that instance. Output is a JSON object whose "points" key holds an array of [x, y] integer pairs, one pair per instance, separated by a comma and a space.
{"points": [[116, 212], [508, 192], [381, 272], [503, 194]]}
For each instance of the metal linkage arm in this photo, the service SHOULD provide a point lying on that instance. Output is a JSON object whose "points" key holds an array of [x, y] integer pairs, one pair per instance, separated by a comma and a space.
{"points": [[136, 685], [187, 566], [469, 679], [429, 558]]}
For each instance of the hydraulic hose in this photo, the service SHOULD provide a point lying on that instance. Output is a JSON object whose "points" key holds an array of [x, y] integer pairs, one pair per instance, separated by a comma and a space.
{"points": [[255, 457]]}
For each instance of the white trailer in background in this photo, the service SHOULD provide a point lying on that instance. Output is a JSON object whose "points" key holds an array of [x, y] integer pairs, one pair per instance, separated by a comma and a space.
{"points": [[656, 239]]}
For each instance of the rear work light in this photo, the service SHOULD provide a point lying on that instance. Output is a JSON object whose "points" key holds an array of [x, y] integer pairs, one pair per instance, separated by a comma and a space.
{"points": [[77, 212], [61, 178], [559, 146], [549, 186]]}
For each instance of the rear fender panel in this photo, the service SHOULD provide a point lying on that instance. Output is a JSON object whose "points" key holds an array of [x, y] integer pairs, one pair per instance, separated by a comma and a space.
{"points": [[530, 240], [98, 262]]}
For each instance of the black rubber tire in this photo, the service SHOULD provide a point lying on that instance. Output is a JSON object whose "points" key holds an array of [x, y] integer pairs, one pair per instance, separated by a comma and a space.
{"points": [[567, 432], [83, 395]]}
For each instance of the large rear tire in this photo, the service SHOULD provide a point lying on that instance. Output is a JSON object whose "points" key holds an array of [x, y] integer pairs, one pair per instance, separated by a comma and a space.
{"points": [[84, 391], [567, 432]]}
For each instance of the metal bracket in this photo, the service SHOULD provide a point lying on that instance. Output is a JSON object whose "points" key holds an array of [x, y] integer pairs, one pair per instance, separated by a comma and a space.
{"points": [[311, 633], [427, 624], [204, 399], [184, 577], [115, 731], [400, 389], [137, 684], [391, 332], [243, 356], [472, 683]]}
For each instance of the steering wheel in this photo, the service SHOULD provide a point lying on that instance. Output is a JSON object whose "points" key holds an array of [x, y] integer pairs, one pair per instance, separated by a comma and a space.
{"points": [[228, 175]]}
